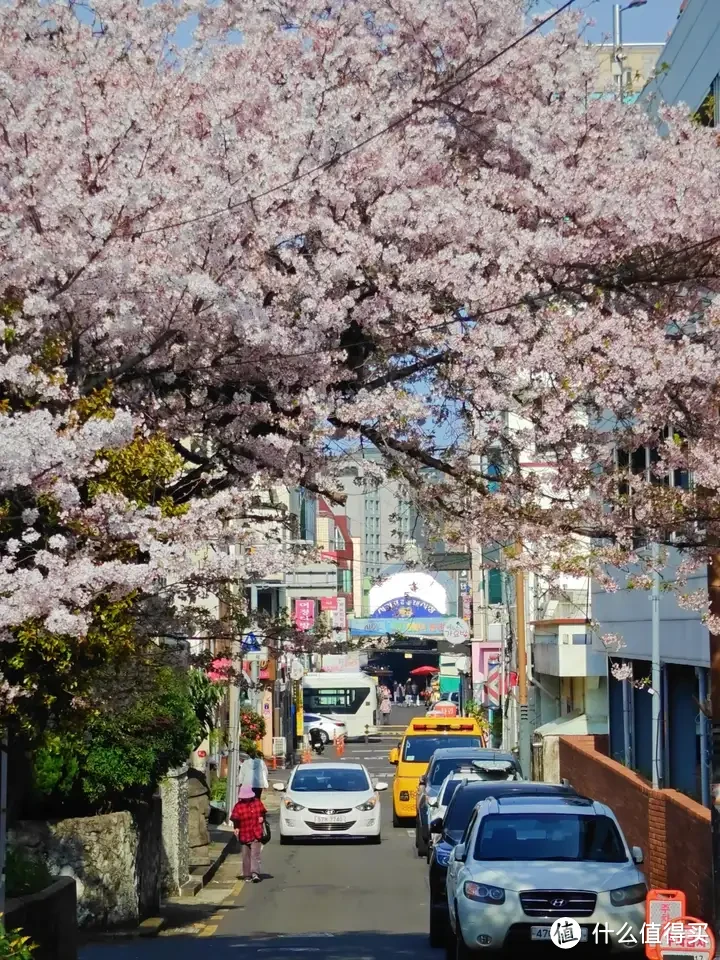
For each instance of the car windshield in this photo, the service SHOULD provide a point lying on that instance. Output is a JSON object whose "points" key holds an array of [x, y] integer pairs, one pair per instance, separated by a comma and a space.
{"points": [[326, 780], [549, 836], [420, 749]]}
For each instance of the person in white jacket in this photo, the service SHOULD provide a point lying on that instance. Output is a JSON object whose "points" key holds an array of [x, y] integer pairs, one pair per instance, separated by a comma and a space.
{"points": [[254, 773]]}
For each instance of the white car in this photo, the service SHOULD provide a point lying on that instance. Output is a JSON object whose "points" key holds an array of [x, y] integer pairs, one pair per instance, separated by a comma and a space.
{"points": [[327, 800], [437, 805], [329, 729], [527, 861]]}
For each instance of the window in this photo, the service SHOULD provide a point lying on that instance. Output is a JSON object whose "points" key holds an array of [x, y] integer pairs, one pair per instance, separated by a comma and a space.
{"points": [[549, 836], [344, 581], [420, 749], [495, 587], [343, 700], [339, 539]]}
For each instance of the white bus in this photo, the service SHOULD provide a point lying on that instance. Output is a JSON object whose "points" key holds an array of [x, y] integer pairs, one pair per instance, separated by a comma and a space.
{"points": [[351, 698]]}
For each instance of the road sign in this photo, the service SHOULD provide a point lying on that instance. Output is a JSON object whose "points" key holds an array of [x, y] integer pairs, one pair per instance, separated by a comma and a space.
{"points": [[250, 642], [686, 938], [661, 906], [456, 631], [297, 670]]}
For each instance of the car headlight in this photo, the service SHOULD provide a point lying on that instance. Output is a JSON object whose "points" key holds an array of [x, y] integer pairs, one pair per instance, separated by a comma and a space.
{"points": [[625, 896], [291, 805], [483, 892], [442, 857], [369, 804]]}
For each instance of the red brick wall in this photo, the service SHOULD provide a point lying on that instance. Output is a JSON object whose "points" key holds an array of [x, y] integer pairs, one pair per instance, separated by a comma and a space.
{"points": [[672, 829]]}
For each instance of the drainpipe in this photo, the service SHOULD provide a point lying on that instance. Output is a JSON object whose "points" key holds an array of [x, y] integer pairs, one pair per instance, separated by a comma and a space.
{"points": [[627, 708], [704, 772]]}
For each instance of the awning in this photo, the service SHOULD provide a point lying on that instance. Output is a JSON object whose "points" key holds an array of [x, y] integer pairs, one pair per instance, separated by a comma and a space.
{"points": [[574, 725]]}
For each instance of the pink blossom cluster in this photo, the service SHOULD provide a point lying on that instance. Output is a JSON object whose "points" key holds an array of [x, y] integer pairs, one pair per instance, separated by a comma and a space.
{"points": [[319, 225]]}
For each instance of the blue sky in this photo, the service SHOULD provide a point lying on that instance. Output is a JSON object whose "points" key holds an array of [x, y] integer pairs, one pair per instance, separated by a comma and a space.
{"points": [[650, 24]]}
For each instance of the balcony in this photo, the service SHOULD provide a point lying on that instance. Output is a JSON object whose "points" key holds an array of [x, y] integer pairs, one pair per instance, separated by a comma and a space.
{"points": [[568, 656]]}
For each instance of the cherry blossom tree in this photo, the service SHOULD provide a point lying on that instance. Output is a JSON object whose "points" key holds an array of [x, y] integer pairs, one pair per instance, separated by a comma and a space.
{"points": [[314, 225]]}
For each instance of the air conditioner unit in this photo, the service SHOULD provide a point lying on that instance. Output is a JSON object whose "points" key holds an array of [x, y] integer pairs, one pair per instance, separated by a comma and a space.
{"points": [[279, 746]]}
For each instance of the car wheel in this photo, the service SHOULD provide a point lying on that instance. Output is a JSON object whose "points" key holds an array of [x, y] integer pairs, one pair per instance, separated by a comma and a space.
{"points": [[438, 928], [397, 821], [324, 737], [375, 840]]}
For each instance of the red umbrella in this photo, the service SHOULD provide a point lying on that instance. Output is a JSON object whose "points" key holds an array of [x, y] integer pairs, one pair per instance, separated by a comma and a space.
{"points": [[424, 671]]}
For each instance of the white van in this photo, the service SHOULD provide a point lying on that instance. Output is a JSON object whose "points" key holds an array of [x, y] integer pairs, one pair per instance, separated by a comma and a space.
{"points": [[351, 698]]}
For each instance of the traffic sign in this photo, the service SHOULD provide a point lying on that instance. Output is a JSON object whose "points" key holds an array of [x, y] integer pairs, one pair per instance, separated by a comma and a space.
{"points": [[297, 670], [686, 938], [250, 642], [456, 631], [662, 906]]}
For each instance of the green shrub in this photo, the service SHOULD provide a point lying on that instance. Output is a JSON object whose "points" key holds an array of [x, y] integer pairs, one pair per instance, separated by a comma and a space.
{"points": [[248, 746], [218, 791], [123, 753], [25, 874], [14, 945]]}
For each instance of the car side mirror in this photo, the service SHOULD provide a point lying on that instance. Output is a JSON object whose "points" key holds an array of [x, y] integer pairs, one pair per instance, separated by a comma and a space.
{"points": [[459, 853], [637, 855], [381, 786], [394, 756], [436, 827], [279, 787]]}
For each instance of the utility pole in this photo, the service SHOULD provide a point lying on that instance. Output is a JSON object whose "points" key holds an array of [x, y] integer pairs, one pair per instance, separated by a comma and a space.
{"points": [[617, 47], [656, 680], [233, 736], [713, 575], [521, 646]]}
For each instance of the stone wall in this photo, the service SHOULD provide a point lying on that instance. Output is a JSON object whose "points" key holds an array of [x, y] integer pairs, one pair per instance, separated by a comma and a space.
{"points": [[114, 860], [49, 919], [672, 829], [175, 844]]}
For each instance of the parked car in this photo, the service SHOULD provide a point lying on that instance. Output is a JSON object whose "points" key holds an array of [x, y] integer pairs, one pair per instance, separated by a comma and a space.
{"points": [[526, 861], [446, 759], [450, 829], [328, 729], [330, 800]]}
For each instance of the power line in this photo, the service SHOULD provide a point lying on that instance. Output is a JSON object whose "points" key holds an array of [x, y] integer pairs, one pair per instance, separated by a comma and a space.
{"points": [[365, 141]]}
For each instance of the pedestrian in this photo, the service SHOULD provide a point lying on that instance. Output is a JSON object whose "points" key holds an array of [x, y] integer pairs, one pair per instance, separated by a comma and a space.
{"points": [[414, 692], [248, 820], [401, 693], [254, 772], [385, 708]]}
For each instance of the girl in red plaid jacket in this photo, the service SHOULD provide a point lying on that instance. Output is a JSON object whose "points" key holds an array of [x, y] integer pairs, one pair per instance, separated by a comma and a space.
{"points": [[247, 817]]}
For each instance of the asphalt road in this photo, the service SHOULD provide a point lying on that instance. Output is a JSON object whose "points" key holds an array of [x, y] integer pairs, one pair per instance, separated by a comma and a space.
{"points": [[320, 901]]}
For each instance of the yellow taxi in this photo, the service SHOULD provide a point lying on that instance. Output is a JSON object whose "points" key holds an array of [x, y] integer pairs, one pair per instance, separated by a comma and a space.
{"points": [[411, 757]]}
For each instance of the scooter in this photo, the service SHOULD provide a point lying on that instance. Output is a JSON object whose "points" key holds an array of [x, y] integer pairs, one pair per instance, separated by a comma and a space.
{"points": [[316, 742]]}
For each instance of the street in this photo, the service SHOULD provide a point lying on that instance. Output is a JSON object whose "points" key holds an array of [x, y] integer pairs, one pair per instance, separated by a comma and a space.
{"points": [[330, 901]]}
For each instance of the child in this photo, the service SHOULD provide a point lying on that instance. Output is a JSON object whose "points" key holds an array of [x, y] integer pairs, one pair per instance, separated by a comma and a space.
{"points": [[247, 818]]}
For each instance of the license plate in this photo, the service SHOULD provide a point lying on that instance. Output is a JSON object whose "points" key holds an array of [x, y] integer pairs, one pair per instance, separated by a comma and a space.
{"points": [[329, 819], [543, 933]]}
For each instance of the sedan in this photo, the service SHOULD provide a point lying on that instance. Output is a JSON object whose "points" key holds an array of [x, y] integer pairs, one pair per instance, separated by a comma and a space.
{"points": [[330, 800], [329, 729]]}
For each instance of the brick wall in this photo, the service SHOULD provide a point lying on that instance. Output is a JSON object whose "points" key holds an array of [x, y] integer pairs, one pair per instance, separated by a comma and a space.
{"points": [[672, 829]]}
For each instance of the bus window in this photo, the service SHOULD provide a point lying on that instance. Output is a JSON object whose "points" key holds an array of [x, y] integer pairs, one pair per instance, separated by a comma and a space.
{"points": [[346, 700]]}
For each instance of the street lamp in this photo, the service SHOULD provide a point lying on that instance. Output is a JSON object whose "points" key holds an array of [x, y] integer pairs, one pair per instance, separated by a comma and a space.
{"points": [[618, 11]]}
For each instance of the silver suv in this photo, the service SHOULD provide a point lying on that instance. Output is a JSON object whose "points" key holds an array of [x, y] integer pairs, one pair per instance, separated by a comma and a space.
{"points": [[526, 862]]}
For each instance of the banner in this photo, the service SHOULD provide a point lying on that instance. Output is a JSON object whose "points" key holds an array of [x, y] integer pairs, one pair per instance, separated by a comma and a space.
{"points": [[304, 614], [340, 614]]}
